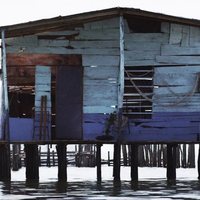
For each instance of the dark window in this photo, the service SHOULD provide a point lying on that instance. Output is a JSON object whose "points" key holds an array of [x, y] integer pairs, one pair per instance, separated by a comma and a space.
{"points": [[138, 92], [143, 25]]}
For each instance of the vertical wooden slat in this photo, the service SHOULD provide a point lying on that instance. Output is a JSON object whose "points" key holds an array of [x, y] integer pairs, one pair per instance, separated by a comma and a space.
{"points": [[121, 67], [4, 127]]}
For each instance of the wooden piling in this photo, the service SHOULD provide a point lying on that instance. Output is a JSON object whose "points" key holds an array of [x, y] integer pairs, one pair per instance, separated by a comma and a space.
{"points": [[117, 161], [108, 158], [32, 161], [98, 162], [171, 162], [16, 159], [5, 173], [134, 162], [62, 162]]}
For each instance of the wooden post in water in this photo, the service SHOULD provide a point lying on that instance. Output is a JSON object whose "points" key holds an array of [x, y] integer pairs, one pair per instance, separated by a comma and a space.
{"points": [[134, 162], [117, 162], [32, 162], [98, 162], [5, 173], [16, 160], [171, 162], [62, 162]]}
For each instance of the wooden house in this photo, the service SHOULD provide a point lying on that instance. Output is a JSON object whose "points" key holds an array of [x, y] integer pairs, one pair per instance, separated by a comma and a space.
{"points": [[119, 74]]}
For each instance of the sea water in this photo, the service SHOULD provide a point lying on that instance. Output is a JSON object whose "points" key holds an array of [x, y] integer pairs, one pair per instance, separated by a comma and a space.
{"points": [[82, 184]]}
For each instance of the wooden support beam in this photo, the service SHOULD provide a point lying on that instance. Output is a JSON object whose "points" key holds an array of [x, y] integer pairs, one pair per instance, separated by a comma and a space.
{"points": [[32, 161], [98, 162], [62, 162], [134, 162], [117, 162], [171, 162]]}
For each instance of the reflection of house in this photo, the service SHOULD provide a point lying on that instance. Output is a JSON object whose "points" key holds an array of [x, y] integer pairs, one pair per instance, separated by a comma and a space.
{"points": [[66, 75]]}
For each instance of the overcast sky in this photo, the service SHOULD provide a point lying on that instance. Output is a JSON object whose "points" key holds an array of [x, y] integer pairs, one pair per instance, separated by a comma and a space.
{"points": [[17, 11]]}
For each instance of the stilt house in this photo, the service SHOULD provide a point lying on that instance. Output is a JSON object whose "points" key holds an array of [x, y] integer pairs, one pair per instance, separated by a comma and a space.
{"points": [[119, 74]]}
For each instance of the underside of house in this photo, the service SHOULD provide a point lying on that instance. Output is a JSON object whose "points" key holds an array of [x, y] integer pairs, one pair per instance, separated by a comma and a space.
{"points": [[112, 75]]}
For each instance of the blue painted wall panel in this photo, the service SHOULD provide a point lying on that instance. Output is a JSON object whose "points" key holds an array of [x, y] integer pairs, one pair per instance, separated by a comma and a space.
{"points": [[21, 129]]}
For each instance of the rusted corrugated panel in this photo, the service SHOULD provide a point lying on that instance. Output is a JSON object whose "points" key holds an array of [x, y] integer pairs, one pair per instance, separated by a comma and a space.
{"points": [[42, 59]]}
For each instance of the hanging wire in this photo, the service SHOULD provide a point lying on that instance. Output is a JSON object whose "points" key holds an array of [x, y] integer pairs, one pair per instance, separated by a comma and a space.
{"points": [[182, 100]]}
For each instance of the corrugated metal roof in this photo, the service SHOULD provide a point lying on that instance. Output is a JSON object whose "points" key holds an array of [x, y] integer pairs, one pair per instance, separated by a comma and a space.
{"points": [[60, 22]]}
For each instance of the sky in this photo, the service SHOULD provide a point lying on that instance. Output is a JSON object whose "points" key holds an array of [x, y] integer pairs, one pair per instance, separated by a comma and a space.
{"points": [[18, 11]]}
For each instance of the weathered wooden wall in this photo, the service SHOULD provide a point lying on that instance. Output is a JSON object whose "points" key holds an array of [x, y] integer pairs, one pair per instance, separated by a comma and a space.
{"points": [[98, 43], [173, 53]]}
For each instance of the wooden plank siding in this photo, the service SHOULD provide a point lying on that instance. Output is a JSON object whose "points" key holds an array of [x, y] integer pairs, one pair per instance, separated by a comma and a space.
{"points": [[97, 42]]}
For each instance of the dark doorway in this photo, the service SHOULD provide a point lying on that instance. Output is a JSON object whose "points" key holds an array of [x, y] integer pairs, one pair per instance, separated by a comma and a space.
{"points": [[69, 102]]}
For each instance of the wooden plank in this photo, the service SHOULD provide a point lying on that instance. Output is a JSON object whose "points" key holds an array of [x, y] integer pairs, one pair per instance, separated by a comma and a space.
{"points": [[194, 36], [165, 27], [149, 62], [121, 64], [141, 55], [178, 60], [185, 36], [175, 36], [81, 44], [59, 33], [147, 37], [30, 40], [174, 90], [100, 73], [98, 109], [61, 50], [102, 24], [89, 60], [142, 46], [106, 34], [43, 59], [99, 91], [173, 50], [53, 43]]}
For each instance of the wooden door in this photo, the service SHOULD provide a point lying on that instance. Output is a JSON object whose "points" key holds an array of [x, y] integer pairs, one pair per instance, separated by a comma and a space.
{"points": [[69, 102]]}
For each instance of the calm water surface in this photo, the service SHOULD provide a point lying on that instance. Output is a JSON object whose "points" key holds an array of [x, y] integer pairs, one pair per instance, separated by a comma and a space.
{"points": [[84, 186]]}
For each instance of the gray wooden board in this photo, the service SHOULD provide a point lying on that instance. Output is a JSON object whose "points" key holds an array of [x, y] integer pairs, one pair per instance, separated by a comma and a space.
{"points": [[142, 46], [106, 34], [84, 44], [62, 50], [100, 72], [98, 109], [178, 60], [175, 34], [175, 50], [177, 93], [147, 37], [102, 24], [96, 60], [141, 55]]}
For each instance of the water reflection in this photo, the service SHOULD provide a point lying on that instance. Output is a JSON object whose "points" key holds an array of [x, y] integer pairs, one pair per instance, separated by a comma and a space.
{"points": [[147, 189]]}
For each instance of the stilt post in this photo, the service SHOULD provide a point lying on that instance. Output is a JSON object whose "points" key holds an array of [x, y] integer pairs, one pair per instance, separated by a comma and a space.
{"points": [[62, 162], [32, 161], [5, 173], [117, 161], [171, 162], [98, 162], [134, 162]]}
